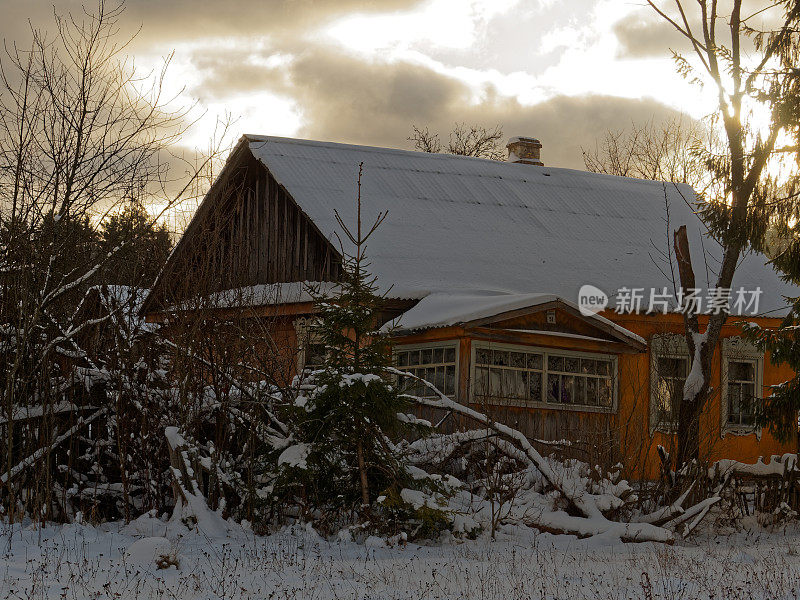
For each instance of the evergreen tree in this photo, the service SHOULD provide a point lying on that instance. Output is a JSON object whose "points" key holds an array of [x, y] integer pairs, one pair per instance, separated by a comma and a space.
{"points": [[780, 409], [144, 247], [348, 422]]}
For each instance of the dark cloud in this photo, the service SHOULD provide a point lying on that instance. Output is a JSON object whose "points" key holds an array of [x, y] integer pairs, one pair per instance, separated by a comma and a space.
{"points": [[344, 99], [349, 99], [172, 21], [224, 72], [643, 35]]}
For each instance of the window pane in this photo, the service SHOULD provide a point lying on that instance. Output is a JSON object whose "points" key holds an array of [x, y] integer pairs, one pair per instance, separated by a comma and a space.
{"points": [[481, 382], [605, 392], [520, 385], [500, 357], [671, 367], [535, 361], [483, 356], [450, 355], [438, 379], [568, 389], [588, 366], [580, 390], [553, 382], [510, 379], [495, 382], [535, 387], [315, 355], [427, 356], [734, 402], [741, 371], [572, 365], [517, 360], [748, 409], [450, 380], [430, 375], [413, 357], [509, 383], [438, 355], [603, 367], [592, 395], [555, 363], [402, 359]]}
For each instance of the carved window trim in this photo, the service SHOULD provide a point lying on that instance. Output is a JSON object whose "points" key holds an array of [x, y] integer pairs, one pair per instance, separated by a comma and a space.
{"points": [[664, 345], [737, 349]]}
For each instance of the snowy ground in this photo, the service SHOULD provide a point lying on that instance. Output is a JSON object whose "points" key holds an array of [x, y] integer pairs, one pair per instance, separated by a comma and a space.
{"points": [[113, 561]]}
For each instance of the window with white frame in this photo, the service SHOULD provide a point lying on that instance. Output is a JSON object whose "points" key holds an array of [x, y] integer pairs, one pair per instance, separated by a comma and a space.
{"points": [[742, 371], [435, 363], [669, 362], [519, 375]]}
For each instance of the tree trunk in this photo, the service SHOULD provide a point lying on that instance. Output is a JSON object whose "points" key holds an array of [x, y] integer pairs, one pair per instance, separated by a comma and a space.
{"points": [[688, 447], [362, 471]]}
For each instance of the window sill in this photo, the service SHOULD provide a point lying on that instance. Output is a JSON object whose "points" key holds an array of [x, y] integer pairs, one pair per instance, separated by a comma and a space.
{"points": [[740, 430]]}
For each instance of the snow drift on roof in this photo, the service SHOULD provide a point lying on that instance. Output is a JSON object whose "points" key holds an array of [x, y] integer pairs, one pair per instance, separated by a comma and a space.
{"points": [[473, 226], [443, 310]]}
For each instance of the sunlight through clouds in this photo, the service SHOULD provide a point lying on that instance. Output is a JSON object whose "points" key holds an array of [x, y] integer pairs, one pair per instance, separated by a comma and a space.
{"points": [[445, 23]]}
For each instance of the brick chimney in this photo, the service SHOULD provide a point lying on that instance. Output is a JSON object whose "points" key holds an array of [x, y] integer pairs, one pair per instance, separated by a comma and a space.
{"points": [[524, 150]]}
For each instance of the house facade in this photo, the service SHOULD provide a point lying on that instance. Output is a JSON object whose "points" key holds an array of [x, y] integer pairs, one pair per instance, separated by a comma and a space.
{"points": [[483, 263]]}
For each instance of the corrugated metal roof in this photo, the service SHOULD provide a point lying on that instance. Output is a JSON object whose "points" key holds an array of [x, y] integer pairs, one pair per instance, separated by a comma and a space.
{"points": [[463, 225]]}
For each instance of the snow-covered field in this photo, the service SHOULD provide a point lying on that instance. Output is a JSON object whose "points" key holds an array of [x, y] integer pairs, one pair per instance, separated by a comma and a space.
{"points": [[115, 561]]}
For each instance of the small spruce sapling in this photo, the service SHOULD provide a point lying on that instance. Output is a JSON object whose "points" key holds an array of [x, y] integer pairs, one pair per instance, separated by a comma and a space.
{"points": [[346, 457]]}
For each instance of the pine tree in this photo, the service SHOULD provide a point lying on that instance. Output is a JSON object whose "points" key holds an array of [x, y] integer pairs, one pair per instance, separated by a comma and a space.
{"points": [[144, 247], [780, 409], [348, 422]]}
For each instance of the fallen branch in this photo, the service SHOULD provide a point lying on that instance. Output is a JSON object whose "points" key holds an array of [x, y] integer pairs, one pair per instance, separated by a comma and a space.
{"points": [[699, 510], [41, 452], [591, 520]]}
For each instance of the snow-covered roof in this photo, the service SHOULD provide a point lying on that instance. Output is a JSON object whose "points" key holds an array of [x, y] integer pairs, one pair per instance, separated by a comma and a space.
{"points": [[468, 226], [445, 309]]}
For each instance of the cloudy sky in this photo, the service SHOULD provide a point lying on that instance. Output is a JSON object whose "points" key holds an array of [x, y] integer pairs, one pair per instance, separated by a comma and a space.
{"points": [[365, 71]]}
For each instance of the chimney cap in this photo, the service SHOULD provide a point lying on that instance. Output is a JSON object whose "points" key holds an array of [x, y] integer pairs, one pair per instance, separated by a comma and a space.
{"points": [[524, 150], [524, 139]]}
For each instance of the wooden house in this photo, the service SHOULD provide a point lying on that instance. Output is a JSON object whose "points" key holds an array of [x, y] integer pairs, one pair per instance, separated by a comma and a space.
{"points": [[483, 262]]}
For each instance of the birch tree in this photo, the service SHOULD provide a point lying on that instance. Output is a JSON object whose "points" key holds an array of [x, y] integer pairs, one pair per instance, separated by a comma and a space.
{"points": [[748, 55]]}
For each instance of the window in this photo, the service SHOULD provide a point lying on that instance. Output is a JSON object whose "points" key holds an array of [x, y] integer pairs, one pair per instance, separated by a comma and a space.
{"points": [[672, 372], [314, 355], [508, 374], [741, 392], [516, 375], [669, 362], [742, 369], [435, 364], [311, 351]]}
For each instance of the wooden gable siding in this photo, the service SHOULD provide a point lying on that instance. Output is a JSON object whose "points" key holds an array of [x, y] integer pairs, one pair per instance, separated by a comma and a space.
{"points": [[247, 231]]}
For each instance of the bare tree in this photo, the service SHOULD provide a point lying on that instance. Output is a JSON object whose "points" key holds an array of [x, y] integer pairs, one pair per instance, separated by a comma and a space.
{"points": [[669, 151], [465, 140], [81, 134], [765, 78]]}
